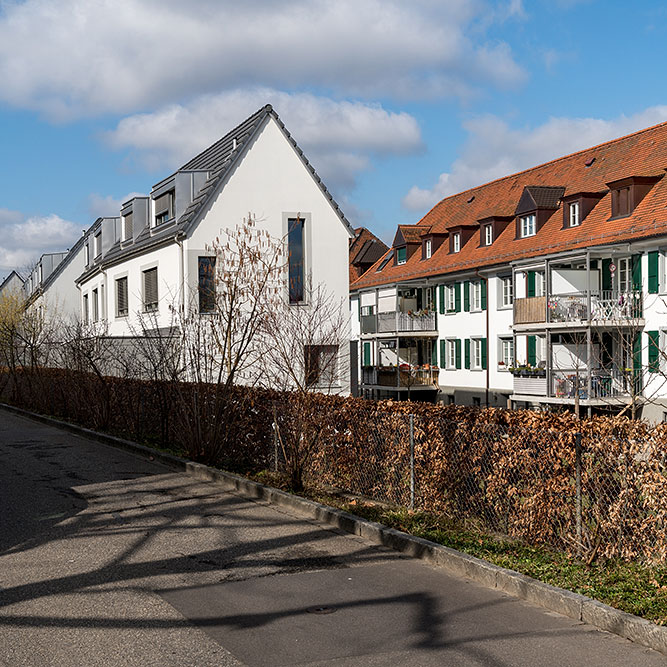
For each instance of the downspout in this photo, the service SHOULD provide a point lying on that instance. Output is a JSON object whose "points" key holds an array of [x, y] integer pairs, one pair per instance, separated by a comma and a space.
{"points": [[181, 276], [488, 342]]}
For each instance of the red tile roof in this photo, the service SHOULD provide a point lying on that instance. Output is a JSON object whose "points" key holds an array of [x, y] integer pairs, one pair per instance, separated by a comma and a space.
{"points": [[365, 249], [643, 153]]}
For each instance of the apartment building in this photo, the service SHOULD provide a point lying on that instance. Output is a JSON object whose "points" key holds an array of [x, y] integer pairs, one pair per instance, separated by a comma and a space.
{"points": [[546, 288]]}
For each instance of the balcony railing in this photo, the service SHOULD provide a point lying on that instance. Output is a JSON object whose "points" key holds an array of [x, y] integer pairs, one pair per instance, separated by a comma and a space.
{"points": [[607, 305], [530, 310], [398, 322], [604, 383], [403, 377]]}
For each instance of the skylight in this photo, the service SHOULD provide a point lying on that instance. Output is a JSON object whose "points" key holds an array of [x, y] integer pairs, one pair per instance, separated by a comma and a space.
{"points": [[385, 261]]}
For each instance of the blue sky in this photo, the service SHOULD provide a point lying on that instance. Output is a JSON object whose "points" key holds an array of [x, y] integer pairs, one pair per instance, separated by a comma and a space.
{"points": [[397, 104]]}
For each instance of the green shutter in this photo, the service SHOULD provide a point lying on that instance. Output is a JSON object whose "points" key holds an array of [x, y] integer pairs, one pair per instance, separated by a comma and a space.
{"points": [[530, 284], [484, 353], [653, 351], [367, 354], [483, 286], [467, 353], [636, 272], [637, 362], [401, 255], [434, 353], [606, 274], [466, 296], [443, 354], [441, 298], [457, 297], [457, 345], [531, 352], [653, 282]]}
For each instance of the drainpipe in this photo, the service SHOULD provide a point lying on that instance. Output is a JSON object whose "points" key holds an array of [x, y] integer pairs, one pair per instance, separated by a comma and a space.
{"points": [[181, 276], [488, 342]]}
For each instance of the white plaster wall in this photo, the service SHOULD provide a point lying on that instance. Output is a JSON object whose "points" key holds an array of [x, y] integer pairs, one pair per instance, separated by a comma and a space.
{"points": [[62, 297]]}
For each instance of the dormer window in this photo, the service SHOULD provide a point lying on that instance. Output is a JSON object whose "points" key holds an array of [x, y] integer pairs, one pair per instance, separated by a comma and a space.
{"points": [[97, 244], [86, 253], [527, 223], [456, 242], [127, 228], [488, 234], [401, 255], [574, 211], [627, 193], [164, 208], [428, 248]]}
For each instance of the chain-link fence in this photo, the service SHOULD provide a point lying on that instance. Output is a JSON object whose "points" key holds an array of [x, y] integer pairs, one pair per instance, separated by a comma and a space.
{"points": [[587, 494]]}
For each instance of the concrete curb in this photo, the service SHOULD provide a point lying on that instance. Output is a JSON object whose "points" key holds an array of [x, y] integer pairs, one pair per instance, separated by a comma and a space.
{"points": [[573, 605]]}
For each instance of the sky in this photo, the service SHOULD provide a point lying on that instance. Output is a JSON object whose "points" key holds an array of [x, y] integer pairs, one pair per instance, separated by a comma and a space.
{"points": [[397, 104]]}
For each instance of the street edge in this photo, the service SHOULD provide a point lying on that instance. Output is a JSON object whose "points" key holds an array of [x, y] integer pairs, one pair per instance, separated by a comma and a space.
{"points": [[552, 598]]}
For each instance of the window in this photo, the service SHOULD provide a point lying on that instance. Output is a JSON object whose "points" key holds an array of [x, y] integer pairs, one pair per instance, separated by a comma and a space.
{"points": [[206, 284], [97, 245], [527, 225], [506, 291], [121, 297], [451, 353], [540, 289], [488, 234], [506, 353], [625, 274], [127, 227], [295, 251], [85, 309], [428, 248], [450, 298], [385, 261], [620, 202], [320, 365], [476, 353], [574, 216], [476, 296], [150, 290], [164, 208], [456, 242], [86, 253], [96, 306], [401, 255]]}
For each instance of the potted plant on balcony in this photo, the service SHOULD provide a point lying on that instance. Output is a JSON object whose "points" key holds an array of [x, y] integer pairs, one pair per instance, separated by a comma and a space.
{"points": [[528, 371]]}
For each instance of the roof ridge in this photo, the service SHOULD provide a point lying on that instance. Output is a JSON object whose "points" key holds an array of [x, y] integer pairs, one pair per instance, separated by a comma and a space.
{"points": [[543, 164]]}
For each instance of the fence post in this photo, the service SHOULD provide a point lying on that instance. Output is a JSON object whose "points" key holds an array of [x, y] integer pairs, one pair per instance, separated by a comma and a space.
{"points": [[577, 473], [412, 462]]}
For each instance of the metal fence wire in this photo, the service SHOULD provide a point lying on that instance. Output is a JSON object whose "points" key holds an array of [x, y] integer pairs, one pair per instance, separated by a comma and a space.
{"points": [[586, 494]]}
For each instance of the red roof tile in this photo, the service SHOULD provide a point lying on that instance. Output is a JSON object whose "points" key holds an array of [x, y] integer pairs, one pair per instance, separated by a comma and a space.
{"points": [[643, 153]]}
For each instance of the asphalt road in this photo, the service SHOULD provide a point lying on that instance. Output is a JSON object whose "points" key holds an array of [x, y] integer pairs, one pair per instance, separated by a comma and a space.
{"points": [[109, 559]]}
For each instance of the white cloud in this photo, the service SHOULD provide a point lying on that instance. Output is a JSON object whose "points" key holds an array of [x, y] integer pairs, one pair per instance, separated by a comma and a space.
{"points": [[23, 240], [80, 57], [107, 205], [339, 138], [494, 149]]}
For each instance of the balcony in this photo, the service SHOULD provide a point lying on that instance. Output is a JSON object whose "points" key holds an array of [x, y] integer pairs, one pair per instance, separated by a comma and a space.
{"points": [[398, 322], [604, 306], [572, 383], [402, 377]]}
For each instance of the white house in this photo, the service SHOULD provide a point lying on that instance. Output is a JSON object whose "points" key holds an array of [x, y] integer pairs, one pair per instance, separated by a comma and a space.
{"points": [[149, 259], [12, 284], [544, 288]]}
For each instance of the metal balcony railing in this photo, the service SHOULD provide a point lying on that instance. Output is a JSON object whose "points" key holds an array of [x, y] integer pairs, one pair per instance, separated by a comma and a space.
{"points": [[398, 322], [607, 305], [400, 377]]}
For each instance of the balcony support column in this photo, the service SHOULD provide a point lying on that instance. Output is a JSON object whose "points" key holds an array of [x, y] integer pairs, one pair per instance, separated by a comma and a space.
{"points": [[549, 363], [588, 288], [589, 350]]}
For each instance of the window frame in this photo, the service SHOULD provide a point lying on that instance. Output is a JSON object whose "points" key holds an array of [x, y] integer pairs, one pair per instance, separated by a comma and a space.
{"points": [[96, 304], [170, 212], [450, 298], [450, 347], [476, 296], [428, 249], [506, 300], [476, 354], [201, 296], [401, 255], [124, 237], [488, 234], [574, 214], [152, 306], [505, 343], [527, 225], [119, 312], [456, 242], [313, 372], [97, 244]]}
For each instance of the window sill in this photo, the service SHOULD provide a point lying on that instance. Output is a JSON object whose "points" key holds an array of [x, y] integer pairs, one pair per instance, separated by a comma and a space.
{"points": [[122, 317], [505, 307]]}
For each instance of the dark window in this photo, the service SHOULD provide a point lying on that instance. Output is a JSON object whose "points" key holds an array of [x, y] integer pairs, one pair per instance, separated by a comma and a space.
{"points": [[85, 309], [296, 255], [164, 207], [121, 297], [206, 284], [96, 306], [476, 401], [620, 202], [320, 364], [127, 227], [150, 290], [385, 261]]}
